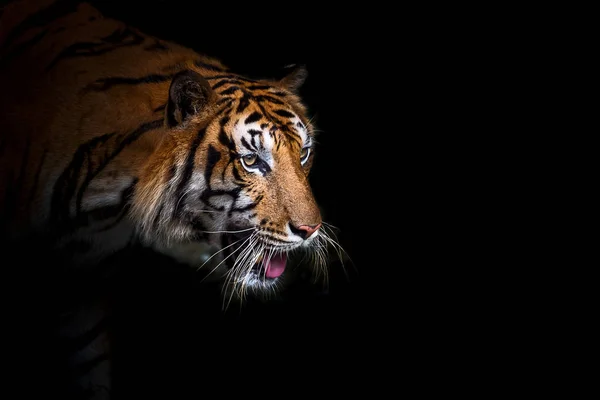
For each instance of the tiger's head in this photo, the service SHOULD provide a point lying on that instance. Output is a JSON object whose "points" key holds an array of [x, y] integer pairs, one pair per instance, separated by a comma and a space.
{"points": [[233, 169]]}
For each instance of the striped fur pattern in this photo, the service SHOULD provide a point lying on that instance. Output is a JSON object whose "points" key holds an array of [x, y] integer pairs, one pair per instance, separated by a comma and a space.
{"points": [[111, 137]]}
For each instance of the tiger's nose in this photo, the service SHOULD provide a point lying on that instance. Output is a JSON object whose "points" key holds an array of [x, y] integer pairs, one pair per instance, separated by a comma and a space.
{"points": [[305, 231]]}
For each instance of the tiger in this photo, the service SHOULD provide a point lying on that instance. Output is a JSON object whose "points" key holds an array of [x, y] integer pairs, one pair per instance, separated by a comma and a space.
{"points": [[110, 137]]}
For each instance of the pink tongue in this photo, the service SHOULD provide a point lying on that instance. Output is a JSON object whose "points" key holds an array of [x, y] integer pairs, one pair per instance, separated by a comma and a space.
{"points": [[275, 266]]}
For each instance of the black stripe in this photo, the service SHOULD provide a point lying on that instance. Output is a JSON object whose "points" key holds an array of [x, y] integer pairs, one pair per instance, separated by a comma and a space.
{"points": [[224, 100], [222, 192], [236, 175], [107, 83], [284, 113], [225, 82], [243, 104], [255, 116], [230, 90], [188, 169], [223, 137], [160, 108], [43, 17], [270, 99], [206, 199], [248, 145], [226, 141], [220, 83], [212, 159], [258, 87], [291, 136], [224, 121], [103, 213], [264, 168], [109, 43], [272, 118], [224, 170], [254, 132], [250, 206], [280, 94], [267, 115], [224, 109]]}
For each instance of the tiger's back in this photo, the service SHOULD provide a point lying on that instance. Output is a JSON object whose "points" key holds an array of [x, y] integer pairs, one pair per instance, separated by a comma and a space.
{"points": [[84, 79]]}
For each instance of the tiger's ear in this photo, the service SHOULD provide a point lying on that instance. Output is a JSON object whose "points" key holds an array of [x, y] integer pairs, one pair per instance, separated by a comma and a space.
{"points": [[189, 94], [294, 79]]}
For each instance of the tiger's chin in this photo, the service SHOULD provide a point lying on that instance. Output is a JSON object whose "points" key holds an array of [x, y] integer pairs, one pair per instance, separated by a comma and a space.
{"points": [[257, 270], [264, 277]]}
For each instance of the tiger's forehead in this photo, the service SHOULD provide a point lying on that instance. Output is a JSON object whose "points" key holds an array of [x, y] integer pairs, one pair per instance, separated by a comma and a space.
{"points": [[256, 132]]}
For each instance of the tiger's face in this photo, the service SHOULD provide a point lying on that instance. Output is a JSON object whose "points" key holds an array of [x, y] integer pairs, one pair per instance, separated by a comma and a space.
{"points": [[233, 170]]}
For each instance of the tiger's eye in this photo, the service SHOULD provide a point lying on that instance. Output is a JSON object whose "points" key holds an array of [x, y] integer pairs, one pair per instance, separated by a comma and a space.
{"points": [[304, 153], [249, 159]]}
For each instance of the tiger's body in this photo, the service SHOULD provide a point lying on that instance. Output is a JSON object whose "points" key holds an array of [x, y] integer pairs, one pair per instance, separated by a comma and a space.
{"points": [[109, 136]]}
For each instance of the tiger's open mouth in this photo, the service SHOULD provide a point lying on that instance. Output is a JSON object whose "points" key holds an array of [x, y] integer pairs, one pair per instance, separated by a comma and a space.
{"points": [[270, 267], [253, 260]]}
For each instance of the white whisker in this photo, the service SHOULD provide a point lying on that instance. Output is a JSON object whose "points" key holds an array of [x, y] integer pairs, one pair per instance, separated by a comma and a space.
{"points": [[224, 259], [217, 252], [242, 230], [235, 269]]}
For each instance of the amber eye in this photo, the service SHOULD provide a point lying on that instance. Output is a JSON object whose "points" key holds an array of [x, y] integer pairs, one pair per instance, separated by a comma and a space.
{"points": [[304, 153], [249, 159]]}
